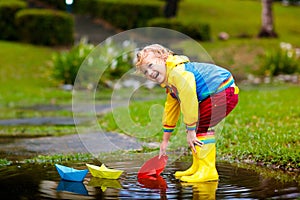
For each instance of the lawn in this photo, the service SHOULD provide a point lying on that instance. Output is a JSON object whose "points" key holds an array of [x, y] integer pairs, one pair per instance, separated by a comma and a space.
{"points": [[241, 18], [25, 84], [25, 80]]}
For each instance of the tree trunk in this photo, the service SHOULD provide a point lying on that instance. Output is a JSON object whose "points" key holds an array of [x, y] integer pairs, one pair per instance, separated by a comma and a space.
{"points": [[170, 9], [267, 28]]}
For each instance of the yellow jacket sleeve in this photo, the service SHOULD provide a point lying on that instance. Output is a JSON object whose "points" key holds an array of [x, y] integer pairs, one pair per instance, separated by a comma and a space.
{"points": [[185, 83], [171, 113]]}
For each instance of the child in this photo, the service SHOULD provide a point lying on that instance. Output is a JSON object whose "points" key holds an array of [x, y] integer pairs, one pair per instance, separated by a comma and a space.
{"points": [[204, 93]]}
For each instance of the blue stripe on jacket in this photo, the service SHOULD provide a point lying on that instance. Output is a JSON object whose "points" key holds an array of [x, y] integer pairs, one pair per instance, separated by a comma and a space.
{"points": [[208, 78]]}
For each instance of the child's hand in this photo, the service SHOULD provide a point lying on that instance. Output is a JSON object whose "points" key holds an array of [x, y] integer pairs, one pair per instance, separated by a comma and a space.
{"points": [[192, 140], [163, 149]]}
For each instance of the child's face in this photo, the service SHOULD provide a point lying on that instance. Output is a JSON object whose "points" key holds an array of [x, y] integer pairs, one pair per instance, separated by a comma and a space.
{"points": [[154, 68]]}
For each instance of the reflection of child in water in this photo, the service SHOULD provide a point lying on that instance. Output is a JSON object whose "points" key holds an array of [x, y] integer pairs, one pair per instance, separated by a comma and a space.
{"points": [[204, 93]]}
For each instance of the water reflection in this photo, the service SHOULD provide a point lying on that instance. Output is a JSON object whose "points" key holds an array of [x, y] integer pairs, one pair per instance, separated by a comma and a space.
{"points": [[72, 186], [236, 183], [205, 191], [43, 182], [153, 183], [104, 183]]}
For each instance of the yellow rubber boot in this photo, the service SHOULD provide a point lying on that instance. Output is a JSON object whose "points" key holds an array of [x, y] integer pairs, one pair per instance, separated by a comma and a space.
{"points": [[191, 170], [207, 165]]}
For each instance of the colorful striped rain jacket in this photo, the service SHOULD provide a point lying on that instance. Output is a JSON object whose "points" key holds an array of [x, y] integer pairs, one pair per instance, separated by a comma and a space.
{"points": [[187, 84]]}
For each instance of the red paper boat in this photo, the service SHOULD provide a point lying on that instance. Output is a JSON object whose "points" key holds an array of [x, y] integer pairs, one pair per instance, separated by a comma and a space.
{"points": [[153, 167]]}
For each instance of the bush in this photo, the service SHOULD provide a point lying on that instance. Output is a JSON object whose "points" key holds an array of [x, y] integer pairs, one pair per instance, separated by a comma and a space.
{"points": [[45, 27], [55, 4], [122, 14], [8, 10], [284, 60], [113, 58], [65, 65], [195, 31]]}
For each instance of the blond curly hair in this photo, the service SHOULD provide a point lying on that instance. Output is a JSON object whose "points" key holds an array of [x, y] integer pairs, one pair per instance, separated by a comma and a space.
{"points": [[157, 49]]}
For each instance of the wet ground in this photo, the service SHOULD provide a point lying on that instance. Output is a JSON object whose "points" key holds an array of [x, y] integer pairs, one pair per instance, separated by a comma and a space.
{"points": [[13, 149], [43, 182]]}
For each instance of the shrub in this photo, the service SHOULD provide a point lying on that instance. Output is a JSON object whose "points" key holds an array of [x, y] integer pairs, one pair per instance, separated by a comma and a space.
{"points": [[195, 31], [65, 65], [55, 4], [45, 27], [122, 14], [8, 9], [284, 60], [115, 59]]}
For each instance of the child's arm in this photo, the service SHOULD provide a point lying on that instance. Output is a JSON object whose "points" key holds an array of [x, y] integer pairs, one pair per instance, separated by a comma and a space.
{"points": [[170, 118], [164, 144]]}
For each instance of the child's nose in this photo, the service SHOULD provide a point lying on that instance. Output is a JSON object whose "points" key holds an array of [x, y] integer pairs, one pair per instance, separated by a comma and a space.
{"points": [[149, 71]]}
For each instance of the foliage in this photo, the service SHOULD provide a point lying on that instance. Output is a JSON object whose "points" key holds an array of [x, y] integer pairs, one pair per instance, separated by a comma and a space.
{"points": [[65, 65], [45, 26], [8, 10], [28, 131], [117, 12], [4, 162], [55, 4], [196, 31], [284, 60], [289, 2], [59, 158], [113, 58]]}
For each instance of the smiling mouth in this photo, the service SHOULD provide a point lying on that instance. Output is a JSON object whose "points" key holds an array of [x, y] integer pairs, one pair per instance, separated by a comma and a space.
{"points": [[155, 75]]}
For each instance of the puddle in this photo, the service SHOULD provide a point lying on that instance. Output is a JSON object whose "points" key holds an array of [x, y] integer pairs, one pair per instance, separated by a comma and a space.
{"points": [[43, 182]]}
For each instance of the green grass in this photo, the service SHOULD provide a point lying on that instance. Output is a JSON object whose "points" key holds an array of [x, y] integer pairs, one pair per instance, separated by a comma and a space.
{"points": [[263, 127], [60, 158], [4, 162], [29, 131], [25, 80], [240, 18]]}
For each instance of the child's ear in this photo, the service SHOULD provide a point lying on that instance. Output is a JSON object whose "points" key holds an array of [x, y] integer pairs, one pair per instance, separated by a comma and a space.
{"points": [[165, 58]]}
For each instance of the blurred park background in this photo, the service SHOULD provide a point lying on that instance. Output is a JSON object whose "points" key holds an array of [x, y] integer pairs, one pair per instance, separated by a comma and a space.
{"points": [[44, 42]]}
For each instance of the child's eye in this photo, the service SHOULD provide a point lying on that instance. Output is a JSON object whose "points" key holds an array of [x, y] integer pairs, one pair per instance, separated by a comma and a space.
{"points": [[150, 65]]}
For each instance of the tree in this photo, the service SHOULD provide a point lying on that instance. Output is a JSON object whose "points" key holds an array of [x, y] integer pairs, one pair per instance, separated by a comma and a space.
{"points": [[170, 9], [267, 28]]}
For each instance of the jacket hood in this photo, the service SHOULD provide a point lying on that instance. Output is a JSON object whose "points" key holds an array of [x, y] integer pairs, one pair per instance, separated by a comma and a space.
{"points": [[171, 62], [174, 60]]}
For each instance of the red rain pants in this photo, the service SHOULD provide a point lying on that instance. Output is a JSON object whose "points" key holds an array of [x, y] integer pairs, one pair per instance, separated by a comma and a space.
{"points": [[215, 108]]}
